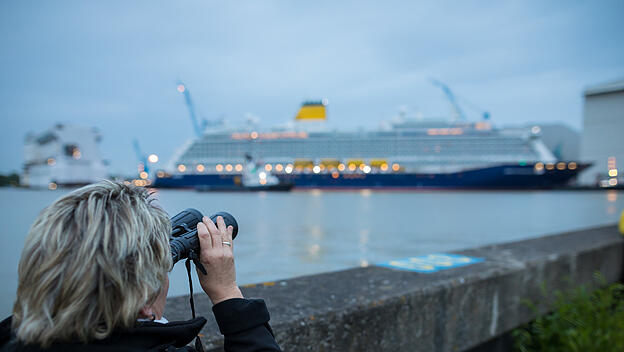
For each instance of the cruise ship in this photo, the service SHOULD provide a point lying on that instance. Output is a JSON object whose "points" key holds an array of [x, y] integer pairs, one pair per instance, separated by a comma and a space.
{"points": [[405, 153], [63, 155]]}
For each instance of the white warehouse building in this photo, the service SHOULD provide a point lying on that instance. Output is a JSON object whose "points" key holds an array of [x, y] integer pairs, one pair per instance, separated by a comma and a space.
{"points": [[602, 141]]}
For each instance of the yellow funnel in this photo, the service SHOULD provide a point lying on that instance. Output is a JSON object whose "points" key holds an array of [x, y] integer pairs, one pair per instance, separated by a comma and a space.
{"points": [[314, 110]]}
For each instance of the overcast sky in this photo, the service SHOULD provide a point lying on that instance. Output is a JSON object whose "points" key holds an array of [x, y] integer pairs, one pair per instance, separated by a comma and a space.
{"points": [[114, 64]]}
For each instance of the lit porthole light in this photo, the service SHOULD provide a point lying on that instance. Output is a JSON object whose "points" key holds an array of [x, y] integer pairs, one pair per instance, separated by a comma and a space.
{"points": [[76, 154]]}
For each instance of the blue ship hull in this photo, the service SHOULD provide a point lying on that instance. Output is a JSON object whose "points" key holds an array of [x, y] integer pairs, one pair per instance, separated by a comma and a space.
{"points": [[495, 177], [201, 182]]}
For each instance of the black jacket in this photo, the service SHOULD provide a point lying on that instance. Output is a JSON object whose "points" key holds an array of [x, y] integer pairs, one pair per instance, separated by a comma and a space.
{"points": [[243, 322]]}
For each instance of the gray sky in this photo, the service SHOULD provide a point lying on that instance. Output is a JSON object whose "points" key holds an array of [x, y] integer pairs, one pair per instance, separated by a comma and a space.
{"points": [[114, 64]]}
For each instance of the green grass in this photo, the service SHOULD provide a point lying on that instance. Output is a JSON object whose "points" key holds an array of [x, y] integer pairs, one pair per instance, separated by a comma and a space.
{"points": [[581, 319]]}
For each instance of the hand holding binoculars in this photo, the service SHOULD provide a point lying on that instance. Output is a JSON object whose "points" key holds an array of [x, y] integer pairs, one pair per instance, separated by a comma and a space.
{"points": [[183, 239]]}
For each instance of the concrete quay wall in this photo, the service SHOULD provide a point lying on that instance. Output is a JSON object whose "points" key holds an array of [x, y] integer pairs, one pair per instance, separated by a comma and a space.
{"points": [[382, 309]]}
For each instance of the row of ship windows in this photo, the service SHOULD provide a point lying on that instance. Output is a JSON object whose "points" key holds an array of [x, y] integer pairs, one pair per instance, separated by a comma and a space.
{"points": [[507, 156], [350, 143], [369, 150], [359, 138], [372, 145], [237, 164], [364, 147], [359, 144]]}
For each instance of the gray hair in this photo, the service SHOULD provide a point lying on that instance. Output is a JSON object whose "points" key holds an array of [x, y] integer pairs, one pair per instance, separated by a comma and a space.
{"points": [[91, 261]]}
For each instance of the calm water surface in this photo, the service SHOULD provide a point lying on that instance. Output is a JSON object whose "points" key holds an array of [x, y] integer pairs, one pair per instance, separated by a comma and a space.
{"points": [[291, 234]]}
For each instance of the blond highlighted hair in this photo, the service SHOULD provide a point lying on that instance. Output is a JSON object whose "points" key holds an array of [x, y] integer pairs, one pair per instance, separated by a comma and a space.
{"points": [[91, 261]]}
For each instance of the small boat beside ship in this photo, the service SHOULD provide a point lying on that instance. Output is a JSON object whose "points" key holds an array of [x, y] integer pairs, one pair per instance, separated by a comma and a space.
{"points": [[252, 179]]}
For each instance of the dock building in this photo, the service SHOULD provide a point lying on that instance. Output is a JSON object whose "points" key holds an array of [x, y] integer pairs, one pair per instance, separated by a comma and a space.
{"points": [[63, 155], [602, 142]]}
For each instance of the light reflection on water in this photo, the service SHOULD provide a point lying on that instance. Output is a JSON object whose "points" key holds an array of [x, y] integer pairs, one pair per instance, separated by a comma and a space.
{"points": [[291, 234]]}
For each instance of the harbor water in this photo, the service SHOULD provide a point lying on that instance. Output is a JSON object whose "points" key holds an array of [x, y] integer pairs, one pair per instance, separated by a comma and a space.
{"points": [[283, 235]]}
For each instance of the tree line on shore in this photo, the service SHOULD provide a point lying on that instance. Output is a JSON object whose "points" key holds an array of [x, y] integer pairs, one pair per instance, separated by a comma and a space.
{"points": [[9, 180]]}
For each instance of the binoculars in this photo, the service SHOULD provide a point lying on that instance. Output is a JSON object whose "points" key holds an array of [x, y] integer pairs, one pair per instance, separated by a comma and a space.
{"points": [[183, 240]]}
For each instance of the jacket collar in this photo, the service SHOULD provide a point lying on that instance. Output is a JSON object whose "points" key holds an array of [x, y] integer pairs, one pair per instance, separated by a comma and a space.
{"points": [[144, 335]]}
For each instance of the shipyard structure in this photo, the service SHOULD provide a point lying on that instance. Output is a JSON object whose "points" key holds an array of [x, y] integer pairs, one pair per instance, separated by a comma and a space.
{"points": [[63, 155], [602, 143]]}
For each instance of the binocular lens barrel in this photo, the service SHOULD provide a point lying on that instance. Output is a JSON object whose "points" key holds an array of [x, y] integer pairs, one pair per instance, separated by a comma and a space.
{"points": [[183, 238]]}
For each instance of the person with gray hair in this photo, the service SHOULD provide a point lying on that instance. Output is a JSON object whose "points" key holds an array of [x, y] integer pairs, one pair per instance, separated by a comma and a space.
{"points": [[93, 277]]}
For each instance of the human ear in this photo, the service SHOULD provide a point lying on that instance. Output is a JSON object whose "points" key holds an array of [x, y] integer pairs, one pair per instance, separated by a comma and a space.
{"points": [[146, 312]]}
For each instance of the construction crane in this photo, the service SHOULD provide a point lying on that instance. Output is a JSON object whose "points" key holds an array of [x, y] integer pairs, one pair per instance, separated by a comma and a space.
{"points": [[197, 126], [458, 113], [143, 166]]}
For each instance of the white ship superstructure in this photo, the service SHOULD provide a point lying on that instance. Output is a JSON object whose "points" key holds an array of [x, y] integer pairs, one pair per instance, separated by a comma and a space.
{"points": [[62, 155], [414, 145], [404, 153]]}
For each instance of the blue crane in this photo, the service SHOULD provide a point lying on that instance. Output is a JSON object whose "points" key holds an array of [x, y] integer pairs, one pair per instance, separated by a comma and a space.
{"points": [[458, 113], [197, 126], [143, 166], [452, 98]]}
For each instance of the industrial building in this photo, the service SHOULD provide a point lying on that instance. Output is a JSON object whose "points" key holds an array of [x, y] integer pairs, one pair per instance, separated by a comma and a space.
{"points": [[602, 142]]}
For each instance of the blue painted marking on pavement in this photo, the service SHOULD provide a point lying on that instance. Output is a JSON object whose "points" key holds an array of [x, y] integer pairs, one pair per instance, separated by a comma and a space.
{"points": [[431, 263]]}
